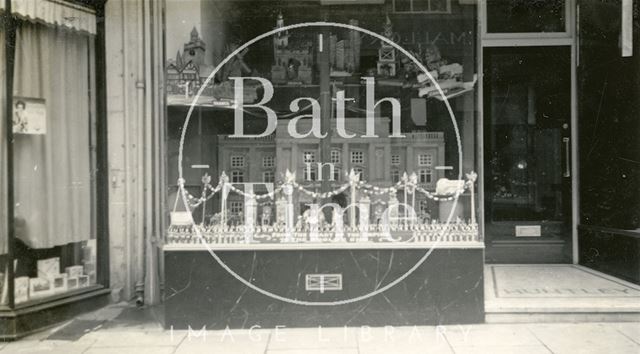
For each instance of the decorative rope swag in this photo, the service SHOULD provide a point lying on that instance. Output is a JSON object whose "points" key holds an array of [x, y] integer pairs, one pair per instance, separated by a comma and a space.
{"points": [[182, 221]]}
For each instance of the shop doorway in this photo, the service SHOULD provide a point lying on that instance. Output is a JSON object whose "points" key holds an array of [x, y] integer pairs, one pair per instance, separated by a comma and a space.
{"points": [[527, 116]]}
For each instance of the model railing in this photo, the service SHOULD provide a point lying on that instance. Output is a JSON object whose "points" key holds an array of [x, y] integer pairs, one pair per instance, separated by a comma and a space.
{"points": [[375, 215]]}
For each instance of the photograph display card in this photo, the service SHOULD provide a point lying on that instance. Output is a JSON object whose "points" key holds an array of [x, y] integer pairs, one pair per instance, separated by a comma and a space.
{"points": [[29, 116], [39, 287]]}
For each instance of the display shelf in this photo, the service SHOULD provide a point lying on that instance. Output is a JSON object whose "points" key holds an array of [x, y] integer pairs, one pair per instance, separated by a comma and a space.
{"points": [[323, 246]]}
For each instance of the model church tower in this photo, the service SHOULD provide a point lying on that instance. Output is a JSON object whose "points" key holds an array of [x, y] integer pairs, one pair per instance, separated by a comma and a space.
{"points": [[293, 59], [280, 39], [194, 50], [387, 53]]}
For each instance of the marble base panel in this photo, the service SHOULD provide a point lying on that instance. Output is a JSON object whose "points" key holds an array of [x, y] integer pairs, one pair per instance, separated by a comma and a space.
{"points": [[447, 288], [611, 251]]}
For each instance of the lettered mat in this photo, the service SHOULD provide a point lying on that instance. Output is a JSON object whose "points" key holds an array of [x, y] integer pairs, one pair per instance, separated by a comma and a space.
{"points": [[553, 287], [556, 281]]}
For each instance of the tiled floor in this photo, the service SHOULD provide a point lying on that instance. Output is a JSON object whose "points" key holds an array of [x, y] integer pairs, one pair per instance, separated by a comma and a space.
{"points": [[557, 288]]}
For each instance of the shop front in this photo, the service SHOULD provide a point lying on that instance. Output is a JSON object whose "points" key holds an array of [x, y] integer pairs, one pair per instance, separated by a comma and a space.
{"points": [[314, 163], [53, 236], [378, 193], [338, 187]]}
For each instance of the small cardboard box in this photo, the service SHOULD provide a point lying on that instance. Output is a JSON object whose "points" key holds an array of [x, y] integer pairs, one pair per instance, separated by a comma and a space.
{"points": [[21, 285], [39, 287], [49, 267], [89, 267], [59, 283], [72, 283], [74, 271], [83, 281]]}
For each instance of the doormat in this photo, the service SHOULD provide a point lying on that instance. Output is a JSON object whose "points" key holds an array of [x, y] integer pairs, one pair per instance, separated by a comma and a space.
{"points": [[557, 281], [76, 329]]}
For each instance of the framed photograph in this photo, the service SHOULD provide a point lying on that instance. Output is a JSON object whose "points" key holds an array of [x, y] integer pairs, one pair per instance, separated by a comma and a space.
{"points": [[29, 116]]}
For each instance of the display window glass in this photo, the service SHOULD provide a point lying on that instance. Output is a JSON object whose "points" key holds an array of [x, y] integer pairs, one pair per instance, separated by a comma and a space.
{"points": [[521, 16], [281, 124], [54, 248]]}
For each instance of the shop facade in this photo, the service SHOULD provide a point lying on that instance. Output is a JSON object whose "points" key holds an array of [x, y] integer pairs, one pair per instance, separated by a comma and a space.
{"points": [[375, 195]]}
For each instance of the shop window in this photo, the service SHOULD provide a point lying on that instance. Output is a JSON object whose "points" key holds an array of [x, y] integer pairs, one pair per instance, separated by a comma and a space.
{"points": [[237, 161], [54, 161], [268, 161], [237, 176], [295, 68], [425, 159], [268, 177], [335, 156], [357, 157], [425, 176]]}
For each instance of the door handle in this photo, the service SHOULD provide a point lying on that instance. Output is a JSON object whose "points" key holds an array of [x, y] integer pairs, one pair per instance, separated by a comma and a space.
{"points": [[567, 157]]}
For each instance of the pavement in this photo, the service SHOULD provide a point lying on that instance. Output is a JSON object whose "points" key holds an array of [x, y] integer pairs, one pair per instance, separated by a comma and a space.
{"points": [[123, 328]]}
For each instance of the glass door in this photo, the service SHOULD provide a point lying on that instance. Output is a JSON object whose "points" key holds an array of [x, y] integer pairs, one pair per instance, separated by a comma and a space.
{"points": [[527, 140]]}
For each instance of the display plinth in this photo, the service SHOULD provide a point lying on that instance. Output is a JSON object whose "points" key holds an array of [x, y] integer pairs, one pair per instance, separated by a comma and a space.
{"points": [[37, 315], [447, 288]]}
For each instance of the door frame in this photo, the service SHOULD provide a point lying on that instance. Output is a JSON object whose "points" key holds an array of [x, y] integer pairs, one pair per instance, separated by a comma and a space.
{"points": [[568, 38]]}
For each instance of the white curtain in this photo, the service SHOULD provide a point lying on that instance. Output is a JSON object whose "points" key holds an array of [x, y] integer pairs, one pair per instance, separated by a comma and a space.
{"points": [[52, 171]]}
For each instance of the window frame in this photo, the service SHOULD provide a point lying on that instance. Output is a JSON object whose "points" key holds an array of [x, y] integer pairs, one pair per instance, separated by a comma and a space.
{"points": [[308, 153], [490, 39], [428, 159], [356, 152], [234, 204], [233, 165], [428, 174], [395, 176], [271, 161], [237, 174], [99, 196], [338, 156], [270, 173], [421, 12]]}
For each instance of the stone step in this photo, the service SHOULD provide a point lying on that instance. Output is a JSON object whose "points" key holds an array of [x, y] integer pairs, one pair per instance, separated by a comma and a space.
{"points": [[560, 316]]}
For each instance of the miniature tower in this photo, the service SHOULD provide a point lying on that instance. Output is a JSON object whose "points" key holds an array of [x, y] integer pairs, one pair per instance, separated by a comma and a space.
{"points": [[280, 39], [386, 53], [194, 50]]}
